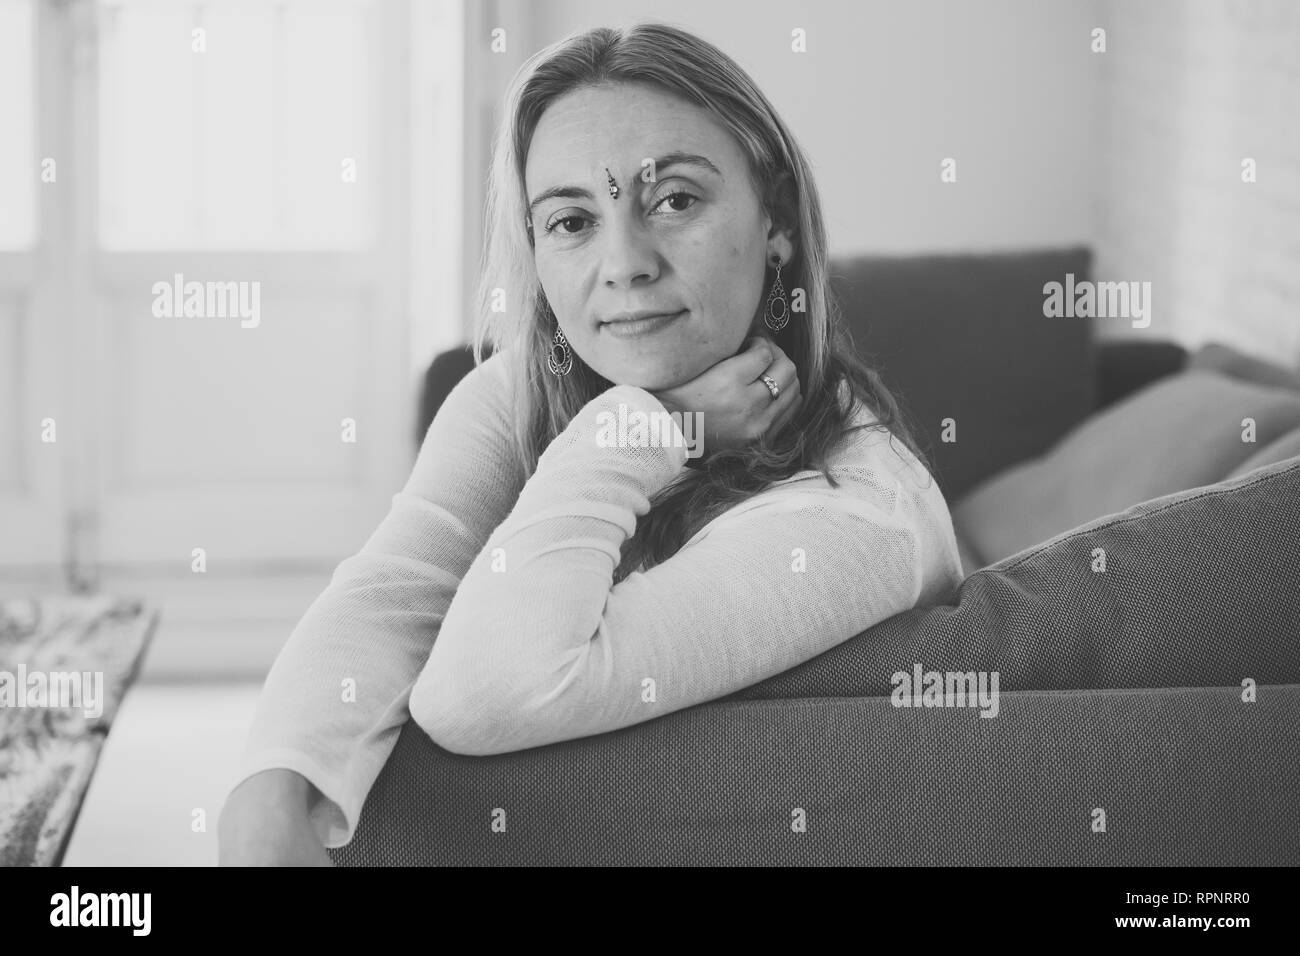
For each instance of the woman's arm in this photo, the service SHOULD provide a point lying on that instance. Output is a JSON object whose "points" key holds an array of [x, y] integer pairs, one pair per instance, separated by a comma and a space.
{"points": [[539, 646], [266, 822], [335, 700]]}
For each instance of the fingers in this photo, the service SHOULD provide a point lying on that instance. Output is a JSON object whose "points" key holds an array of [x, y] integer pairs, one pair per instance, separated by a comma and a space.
{"points": [[785, 411], [755, 358], [762, 415], [774, 413], [782, 370]]}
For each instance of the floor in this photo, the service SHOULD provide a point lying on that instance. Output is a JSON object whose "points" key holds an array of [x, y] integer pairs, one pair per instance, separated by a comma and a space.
{"points": [[175, 742], [171, 752]]}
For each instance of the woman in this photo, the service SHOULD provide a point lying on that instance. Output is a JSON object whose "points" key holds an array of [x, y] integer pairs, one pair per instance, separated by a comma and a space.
{"points": [[655, 247]]}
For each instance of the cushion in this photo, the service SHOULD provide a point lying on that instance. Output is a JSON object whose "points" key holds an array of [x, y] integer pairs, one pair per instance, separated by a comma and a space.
{"points": [[1182, 432], [1226, 360], [964, 337], [1288, 446], [1201, 590]]}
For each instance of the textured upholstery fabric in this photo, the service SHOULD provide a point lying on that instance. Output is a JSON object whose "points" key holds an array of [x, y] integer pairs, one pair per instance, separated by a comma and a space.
{"points": [[1184, 431], [964, 337], [1201, 591], [1185, 777]]}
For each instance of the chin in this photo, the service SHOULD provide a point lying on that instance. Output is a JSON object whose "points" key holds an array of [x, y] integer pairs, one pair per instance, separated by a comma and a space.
{"points": [[661, 381], [650, 383], [656, 375]]}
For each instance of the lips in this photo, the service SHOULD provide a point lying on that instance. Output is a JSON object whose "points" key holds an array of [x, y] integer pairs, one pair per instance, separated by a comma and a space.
{"points": [[635, 324], [637, 316]]}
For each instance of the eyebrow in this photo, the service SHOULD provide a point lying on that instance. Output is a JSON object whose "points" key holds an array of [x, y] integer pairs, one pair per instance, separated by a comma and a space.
{"points": [[664, 162]]}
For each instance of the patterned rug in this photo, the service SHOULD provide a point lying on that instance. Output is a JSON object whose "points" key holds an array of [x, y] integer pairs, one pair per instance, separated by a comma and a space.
{"points": [[65, 665]]}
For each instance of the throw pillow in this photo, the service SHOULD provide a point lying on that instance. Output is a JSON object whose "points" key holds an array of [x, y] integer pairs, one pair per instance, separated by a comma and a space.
{"points": [[1184, 431]]}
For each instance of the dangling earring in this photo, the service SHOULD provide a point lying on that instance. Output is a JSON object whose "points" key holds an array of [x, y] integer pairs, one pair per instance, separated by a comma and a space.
{"points": [[560, 359], [776, 314]]}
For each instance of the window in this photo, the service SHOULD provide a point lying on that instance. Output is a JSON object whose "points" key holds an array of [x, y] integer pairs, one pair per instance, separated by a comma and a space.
{"points": [[17, 116], [238, 125], [307, 146]]}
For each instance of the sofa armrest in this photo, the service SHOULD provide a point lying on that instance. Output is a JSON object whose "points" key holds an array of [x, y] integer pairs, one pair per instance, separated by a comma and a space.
{"points": [[1124, 367], [1185, 777], [440, 378], [1199, 595]]}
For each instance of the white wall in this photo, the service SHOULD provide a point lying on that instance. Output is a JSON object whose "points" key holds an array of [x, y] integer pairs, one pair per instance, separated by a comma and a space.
{"points": [[1135, 152], [1190, 88], [887, 90]]}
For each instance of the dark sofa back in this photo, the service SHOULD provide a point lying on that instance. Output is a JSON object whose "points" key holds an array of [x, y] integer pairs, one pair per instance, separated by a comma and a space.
{"points": [[963, 337]]}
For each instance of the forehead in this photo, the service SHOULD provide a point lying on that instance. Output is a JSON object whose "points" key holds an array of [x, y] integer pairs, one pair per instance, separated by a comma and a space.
{"points": [[619, 125]]}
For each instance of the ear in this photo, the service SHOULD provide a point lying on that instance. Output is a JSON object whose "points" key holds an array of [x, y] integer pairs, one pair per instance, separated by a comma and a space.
{"points": [[782, 238], [780, 244]]}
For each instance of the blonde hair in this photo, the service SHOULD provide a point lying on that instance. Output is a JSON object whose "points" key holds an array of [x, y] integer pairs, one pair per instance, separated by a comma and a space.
{"points": [[680, 63]]}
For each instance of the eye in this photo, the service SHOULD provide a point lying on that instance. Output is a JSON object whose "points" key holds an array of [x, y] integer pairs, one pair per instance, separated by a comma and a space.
{"points": [[550, 226], [678, 194]]}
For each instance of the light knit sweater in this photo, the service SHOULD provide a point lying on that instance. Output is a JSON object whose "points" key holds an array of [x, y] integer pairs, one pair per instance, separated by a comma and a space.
{"points": [[514, 577]]}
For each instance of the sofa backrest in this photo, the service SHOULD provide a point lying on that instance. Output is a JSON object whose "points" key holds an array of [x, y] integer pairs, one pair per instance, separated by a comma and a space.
{"points": [[963, 339]]}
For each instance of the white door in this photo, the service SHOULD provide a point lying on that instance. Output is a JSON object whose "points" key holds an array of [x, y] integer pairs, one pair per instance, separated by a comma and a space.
{"points": [[35, 439], [254, 155], [251, 151]]}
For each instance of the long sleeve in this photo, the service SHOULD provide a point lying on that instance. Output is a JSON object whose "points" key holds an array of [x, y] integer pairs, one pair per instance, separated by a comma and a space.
{"points": [[539, 645], [336, 697]]}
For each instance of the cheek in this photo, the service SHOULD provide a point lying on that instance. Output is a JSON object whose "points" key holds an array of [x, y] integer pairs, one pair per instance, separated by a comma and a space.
{"points": [[552, 280], [720, 274], [733, 280]]}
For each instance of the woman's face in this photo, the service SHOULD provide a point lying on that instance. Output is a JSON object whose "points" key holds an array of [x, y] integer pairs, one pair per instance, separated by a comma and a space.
{"points": [[699, 255]]}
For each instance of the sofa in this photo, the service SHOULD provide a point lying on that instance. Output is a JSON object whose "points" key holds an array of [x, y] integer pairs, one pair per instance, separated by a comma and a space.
{"points": [[1128, 514]]}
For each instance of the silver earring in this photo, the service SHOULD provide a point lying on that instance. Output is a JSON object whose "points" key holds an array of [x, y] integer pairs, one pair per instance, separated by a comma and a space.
{"points": [[560, 359], [776, 314]]}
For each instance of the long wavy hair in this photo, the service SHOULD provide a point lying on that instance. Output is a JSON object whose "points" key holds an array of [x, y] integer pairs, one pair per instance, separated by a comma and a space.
{"points": [[816, 340]]}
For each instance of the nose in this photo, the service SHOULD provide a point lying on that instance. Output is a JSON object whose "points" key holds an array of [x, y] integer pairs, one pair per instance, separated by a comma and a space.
{"points": [[629, 255]]}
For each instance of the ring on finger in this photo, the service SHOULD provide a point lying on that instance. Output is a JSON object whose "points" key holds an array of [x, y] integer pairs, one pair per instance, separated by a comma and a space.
{"points": [[772, 387]]}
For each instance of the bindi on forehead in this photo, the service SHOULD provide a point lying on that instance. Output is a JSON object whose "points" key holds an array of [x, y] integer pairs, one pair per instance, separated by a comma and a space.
{"points": [[650, 166], [650, 169]]}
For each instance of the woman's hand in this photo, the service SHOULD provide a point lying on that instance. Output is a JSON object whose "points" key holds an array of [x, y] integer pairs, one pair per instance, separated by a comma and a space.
{"points": [[264, 823], [738, 407]]}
